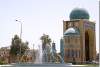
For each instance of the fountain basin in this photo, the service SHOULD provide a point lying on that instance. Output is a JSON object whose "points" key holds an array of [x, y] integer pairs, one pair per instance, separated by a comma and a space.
{"points": [[42, 65]]}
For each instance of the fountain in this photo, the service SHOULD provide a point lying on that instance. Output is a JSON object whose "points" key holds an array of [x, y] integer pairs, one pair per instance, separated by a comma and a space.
{"points": [[38, 56], [43, 59]]}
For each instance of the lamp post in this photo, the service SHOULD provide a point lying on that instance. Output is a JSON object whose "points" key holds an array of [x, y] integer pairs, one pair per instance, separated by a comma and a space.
{"points": [[33, 54], [20, 35]]}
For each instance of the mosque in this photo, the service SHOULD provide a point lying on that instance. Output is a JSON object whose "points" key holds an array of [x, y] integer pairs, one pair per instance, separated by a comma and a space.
{"points": [[79, 39]]}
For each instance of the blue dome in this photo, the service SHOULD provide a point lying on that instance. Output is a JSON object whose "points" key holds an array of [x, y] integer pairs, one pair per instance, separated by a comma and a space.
{"points": [[72, 31], [79, 13]]}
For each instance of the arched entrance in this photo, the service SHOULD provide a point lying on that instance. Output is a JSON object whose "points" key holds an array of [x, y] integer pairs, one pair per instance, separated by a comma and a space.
{"points": [[87, 46]]}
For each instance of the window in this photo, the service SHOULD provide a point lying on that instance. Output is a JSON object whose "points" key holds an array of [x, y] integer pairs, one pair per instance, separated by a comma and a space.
{"points": [[75, 40], [76, 55], [66, 25], [76, 24], [68, 39], [72, 53], [67, 53], [70, 24]]}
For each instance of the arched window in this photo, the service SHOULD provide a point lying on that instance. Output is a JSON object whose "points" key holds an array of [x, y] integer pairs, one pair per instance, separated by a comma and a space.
{"points": [[72, 53], [76, 40], [66, 25], [68, 39], [68, 53], [69, 24], [76, 53]]}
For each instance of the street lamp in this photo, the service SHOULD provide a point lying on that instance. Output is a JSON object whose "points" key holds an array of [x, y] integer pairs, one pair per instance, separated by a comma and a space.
{"points": [[20, 34], [20, 28]]}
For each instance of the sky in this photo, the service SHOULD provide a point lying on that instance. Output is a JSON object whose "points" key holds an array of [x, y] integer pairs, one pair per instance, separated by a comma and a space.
{"points": [[40, 17]]}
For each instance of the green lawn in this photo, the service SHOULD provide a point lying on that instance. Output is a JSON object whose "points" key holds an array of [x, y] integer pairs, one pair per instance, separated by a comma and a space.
{"points": [[92, 65]]}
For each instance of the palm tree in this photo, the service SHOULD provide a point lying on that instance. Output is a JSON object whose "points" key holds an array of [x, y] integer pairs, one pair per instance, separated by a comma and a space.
{"points": [[45, 40], [46, 47]]}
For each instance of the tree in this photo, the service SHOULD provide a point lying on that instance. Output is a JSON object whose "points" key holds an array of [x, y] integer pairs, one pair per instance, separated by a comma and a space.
{"points": [[45, 40], [46, 47], [16, 46]]}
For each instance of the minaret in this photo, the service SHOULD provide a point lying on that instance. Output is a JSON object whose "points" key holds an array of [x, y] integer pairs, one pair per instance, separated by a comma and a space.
{"points": [[62, 50]]}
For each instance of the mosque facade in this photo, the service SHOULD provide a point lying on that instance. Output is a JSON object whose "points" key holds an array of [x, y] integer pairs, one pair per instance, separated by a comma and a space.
{"points": [[79, 40]]}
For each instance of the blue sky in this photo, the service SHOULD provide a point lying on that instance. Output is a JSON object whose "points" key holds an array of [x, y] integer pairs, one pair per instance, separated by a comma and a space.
{"points": [[41, 16]]}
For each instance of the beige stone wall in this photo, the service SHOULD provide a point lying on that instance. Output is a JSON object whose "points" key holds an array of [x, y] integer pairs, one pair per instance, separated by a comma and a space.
{"points": [[80, 41]]}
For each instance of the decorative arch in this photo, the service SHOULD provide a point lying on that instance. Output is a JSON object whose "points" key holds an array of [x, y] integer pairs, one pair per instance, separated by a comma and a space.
{"points": [[87, 50], [89, 44]]}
